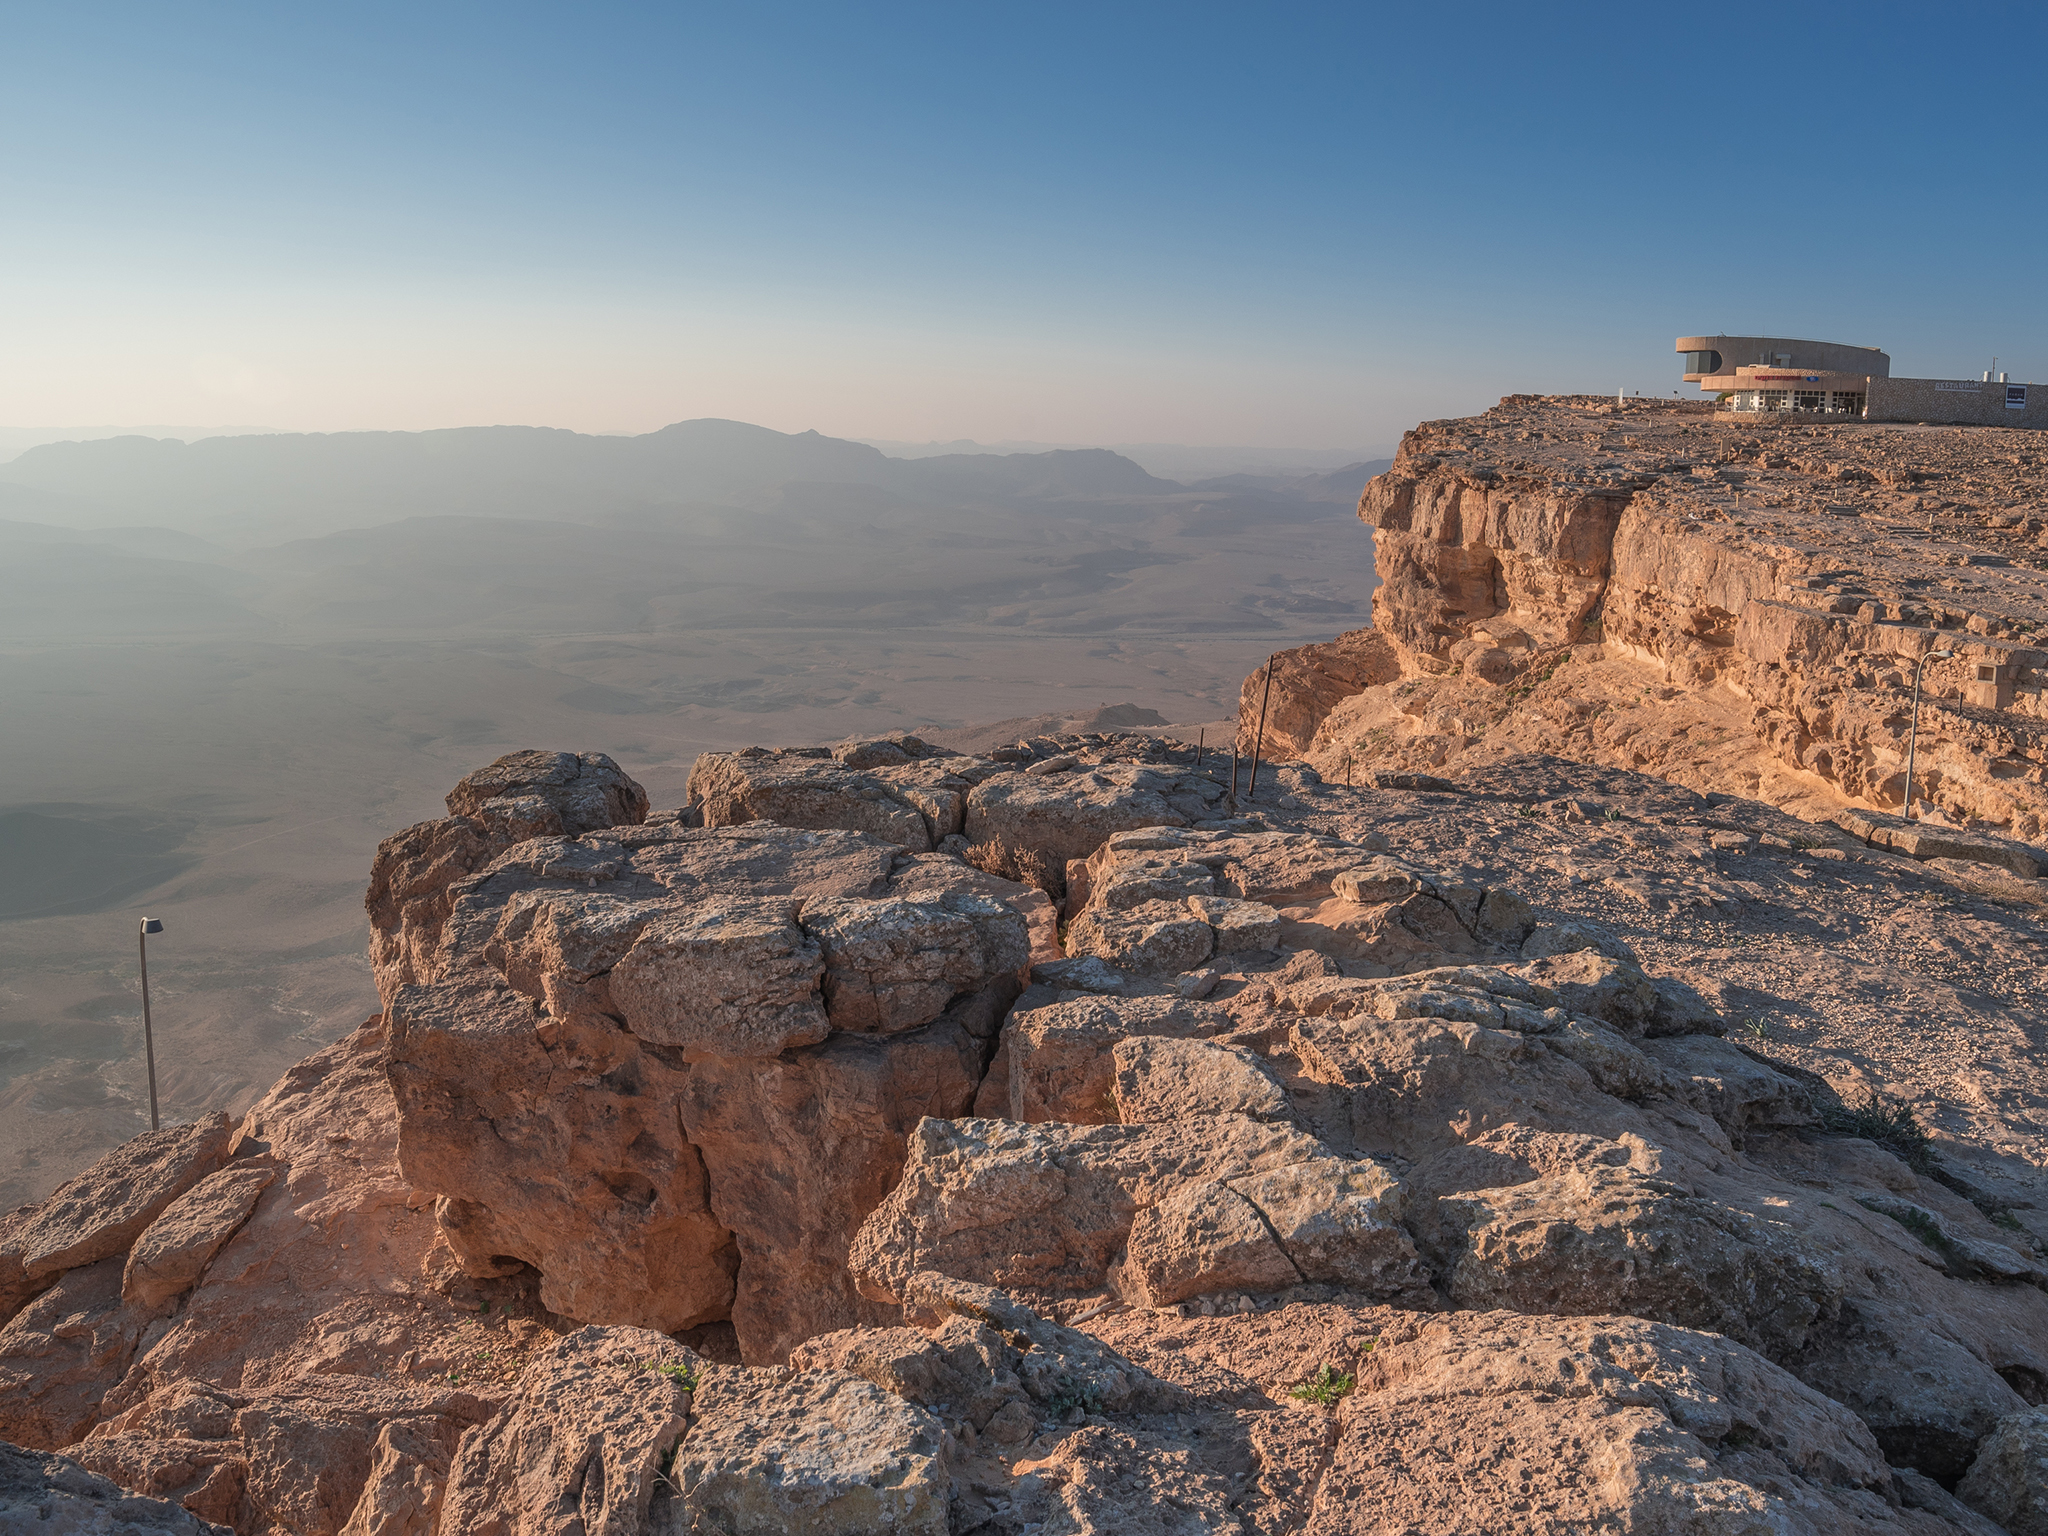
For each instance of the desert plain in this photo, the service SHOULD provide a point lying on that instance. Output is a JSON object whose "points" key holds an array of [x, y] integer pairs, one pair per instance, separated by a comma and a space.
{"points": [[224, 682]]}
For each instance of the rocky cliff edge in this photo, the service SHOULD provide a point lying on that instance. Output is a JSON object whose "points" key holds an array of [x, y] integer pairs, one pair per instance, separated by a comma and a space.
{"points": [[1051, 1141]]}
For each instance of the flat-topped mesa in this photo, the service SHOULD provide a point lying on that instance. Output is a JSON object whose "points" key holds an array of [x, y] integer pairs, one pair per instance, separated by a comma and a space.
{"points": [[1738, 607]]}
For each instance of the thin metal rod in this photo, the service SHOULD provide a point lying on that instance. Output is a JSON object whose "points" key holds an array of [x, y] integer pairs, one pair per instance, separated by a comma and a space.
{"points": [[148, 1041], [1913, 741], [1200, 737], [1233, 772], [1913, 733], [1259, 741]]}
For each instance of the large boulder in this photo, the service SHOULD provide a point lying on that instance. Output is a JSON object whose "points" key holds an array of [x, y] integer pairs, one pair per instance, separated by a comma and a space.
{"points": [[586, 791], [802, 1146], [329, 1455], [1056, 1061], [585, 1442], [1029, 826], [522, 795], [55, 1496], [726, 978], [556, 1143], [1046, 1209], [809, 789], [2008, 1482], [98, 1214], [639, 1067], [810, 1453], [174, 1250], [621, 1430], [895, 964], [1595, 1237], [1142, 899]]}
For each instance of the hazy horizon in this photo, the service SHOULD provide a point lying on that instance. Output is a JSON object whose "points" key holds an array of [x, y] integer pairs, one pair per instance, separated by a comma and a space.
{"points": [[1201, 460], [1309, 226]]}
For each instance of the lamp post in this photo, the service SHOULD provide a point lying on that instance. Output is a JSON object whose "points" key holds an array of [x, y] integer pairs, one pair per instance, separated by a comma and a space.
{"points": [[1913, 734], [149, 925]]}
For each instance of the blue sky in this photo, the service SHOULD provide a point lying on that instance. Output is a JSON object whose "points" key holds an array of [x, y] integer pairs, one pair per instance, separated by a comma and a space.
{"points": [[1288, 225]]}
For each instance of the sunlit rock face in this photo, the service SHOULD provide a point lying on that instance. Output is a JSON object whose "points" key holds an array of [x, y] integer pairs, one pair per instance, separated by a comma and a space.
{"points": [[1740, 608]]}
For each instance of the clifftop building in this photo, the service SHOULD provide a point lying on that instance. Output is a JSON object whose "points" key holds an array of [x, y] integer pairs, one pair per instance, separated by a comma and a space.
{"points": [[1779, 375]]}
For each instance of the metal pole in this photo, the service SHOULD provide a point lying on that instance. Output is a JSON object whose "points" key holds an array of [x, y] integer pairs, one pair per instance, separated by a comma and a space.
{"points": [[148, 1041], [1259, 740], [1913, 733], [1233, 772], [1200, 737]]}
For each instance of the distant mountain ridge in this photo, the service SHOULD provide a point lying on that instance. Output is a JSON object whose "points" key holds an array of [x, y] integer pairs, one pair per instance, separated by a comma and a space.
{"points": [[1186, 462], [311, 483]]}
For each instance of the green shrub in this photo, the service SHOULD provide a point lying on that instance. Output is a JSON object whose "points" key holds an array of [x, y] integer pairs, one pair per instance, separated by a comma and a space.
{"points": [[1885, 1121], [675, 1371], [1323, 1388]]}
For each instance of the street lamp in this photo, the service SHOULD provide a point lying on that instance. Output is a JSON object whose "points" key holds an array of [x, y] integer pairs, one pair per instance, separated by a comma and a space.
{"points": [[1912, 736], [149, 925]]}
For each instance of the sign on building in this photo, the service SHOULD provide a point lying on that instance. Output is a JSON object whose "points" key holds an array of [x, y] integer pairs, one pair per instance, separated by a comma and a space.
{"points": [[2015, 397]]}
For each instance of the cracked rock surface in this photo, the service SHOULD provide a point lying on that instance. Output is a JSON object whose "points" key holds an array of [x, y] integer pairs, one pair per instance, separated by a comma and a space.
{"points": [[1099, 1155]]}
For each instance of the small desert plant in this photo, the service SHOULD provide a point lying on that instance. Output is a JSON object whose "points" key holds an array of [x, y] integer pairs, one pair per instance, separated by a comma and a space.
{"points": [[1323, 1388], [1614, 815], [665, 1468], [1885, 1121], [1758, 1027], [675, 1371], [1085, 1396]]}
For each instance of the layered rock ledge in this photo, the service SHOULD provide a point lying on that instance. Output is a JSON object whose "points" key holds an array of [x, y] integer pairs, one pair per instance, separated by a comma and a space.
{"points": [[1739, 608]]}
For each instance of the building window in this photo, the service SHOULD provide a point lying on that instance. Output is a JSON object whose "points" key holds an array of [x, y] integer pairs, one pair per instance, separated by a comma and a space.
{"points": [[1809, 400], [1771, 400], [1701, 362], [1850, 405]]}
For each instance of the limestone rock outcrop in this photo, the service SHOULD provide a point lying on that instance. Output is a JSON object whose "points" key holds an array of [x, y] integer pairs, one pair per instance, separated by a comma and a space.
{"points": [[1740, 608], [1164, 900], [1361, 1163], [520, 796], [1306, 683], [586, 1441], [97, 1215], [671, 1067]]}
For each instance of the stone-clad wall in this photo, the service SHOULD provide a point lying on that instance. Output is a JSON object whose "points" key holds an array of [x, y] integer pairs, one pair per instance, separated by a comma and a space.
{"points": [[1964, 400]]}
